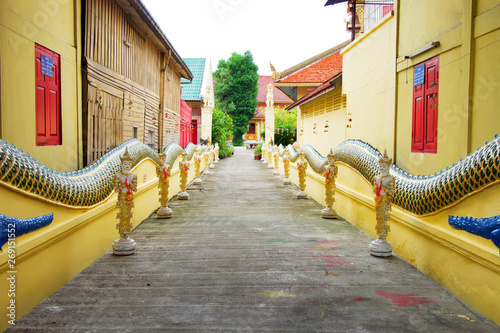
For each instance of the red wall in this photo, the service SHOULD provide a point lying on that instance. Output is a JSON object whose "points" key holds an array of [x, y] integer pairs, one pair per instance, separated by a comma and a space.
{"points": [[188, 133]]}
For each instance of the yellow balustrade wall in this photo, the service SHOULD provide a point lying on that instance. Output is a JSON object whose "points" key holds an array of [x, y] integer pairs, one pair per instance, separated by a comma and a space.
{"points": [[465, 264], [56, 25], [48, 258]]}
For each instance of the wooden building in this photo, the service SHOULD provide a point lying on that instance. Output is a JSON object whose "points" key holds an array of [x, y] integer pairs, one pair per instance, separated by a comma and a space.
{"points": [[131, 84]]}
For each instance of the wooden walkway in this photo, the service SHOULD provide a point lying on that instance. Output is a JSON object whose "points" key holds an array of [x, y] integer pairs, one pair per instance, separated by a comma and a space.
{"points": [[242, 254]]}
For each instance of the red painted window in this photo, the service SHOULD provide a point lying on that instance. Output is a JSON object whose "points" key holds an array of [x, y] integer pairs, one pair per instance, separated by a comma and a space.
{"points": [[48, 97], [425, 107]]}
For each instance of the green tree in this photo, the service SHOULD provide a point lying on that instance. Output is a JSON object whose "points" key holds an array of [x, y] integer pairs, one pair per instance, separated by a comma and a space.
{"points": [[222, 128], [285, 124], [235, 89]]}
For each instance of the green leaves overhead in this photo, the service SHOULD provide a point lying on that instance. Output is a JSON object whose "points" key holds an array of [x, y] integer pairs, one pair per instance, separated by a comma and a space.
{"points": [[235, 89]]}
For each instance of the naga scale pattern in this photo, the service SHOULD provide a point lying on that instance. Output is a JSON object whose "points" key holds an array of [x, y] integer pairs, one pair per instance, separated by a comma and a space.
{"points": [[420, 195], [77, 189]]}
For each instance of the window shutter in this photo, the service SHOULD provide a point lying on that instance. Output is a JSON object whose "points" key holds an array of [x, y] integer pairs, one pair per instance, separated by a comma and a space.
{"points": [[431, 108], [417, 143], [425, 107], [47, 99]]}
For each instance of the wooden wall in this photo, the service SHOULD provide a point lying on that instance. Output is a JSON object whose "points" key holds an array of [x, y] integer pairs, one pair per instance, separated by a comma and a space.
{"points": [[131, 74], [107, 29], [105, 122]]}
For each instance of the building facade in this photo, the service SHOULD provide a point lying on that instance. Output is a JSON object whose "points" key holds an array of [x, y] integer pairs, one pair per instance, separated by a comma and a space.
{"points": [[132, 82], [40, 80]]}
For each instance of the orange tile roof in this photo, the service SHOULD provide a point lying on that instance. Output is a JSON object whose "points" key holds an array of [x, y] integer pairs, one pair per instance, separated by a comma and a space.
{"points": [[317, 72], [279, 96], [318, 91]]}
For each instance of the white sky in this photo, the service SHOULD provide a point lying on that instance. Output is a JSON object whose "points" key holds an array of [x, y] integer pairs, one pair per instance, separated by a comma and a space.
{"points": [[285, 32]]}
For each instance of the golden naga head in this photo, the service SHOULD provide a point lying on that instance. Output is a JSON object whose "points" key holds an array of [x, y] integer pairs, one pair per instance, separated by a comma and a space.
{"points": [[126, 156], [385, 159], [163, 157], [331, 156]]}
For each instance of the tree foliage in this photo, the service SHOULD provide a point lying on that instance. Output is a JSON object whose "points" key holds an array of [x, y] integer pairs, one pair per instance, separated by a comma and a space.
{"points": [[285, 124], [235, 89], [222, 129]]}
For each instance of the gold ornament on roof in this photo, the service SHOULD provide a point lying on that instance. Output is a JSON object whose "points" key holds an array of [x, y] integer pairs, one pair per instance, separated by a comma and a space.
{"points": [[275, 75]]}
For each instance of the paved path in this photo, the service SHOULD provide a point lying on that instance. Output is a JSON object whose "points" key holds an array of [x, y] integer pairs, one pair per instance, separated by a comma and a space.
{"points": [[242, 254]]}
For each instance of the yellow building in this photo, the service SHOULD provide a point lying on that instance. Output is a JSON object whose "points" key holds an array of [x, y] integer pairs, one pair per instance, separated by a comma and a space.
{"points": [[460, 38], [422, 84], [40, 80], [304, 78]]}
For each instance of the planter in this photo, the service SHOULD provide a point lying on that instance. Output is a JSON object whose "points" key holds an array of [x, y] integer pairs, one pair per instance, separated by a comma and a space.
{"points": [[257, 157]]}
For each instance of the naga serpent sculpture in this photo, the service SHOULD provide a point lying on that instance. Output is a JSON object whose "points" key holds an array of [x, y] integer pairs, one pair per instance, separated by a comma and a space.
{"points": [[420, 195], [84, 188]]}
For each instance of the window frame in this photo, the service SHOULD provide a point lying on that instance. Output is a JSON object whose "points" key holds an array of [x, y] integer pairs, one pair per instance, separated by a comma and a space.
{"points": [[425, 109], [48, 121]]}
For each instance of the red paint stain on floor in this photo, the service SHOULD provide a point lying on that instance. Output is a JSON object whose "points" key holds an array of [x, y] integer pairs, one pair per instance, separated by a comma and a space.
{"points": [[405, 299], [338, 263], [357, 299], [327, 257]]}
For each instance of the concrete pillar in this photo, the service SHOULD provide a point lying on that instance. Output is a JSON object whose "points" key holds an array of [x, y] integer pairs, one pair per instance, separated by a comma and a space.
{"points": [[269, 113], [206, 123]]}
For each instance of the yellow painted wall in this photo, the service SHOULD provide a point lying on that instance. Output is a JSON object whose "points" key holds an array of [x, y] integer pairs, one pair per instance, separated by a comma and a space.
{"points": [[465, 264], [56, 26], [48, 258], [314, 114], [485, 120], [369, 84], [468, 78]]}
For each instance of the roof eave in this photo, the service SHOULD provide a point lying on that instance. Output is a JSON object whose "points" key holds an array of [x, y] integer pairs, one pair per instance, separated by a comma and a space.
{"points": [[316, 94]]}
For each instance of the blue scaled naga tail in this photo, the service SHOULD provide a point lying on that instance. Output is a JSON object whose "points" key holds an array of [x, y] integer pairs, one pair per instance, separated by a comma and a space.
{"points": [[12, 227]]}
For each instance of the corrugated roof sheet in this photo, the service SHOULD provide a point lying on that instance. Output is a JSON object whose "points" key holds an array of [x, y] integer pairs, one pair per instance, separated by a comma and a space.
{"points": [[192, 91]]}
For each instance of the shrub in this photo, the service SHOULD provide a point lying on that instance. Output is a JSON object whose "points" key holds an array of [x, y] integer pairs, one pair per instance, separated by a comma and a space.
{"points": [[258, 150], [222, 127]]}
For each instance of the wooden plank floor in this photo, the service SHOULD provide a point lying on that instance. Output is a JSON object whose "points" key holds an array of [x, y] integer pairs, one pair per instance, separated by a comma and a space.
{"points": [[243, 254]]}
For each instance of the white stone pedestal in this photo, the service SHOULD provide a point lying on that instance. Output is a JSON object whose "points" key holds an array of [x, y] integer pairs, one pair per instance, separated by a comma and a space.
{"points": [[276, 172], [380, 248], [183, 196], [164, 213], [264, 160], [270, 166], [211, 166], [124, 246], [197, 181], [301, 195], [328, 213], [287, 181], [207, 172]]}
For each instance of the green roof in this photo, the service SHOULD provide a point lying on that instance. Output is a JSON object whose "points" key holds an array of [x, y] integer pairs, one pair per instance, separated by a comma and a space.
{"points": [[192, 91]]}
